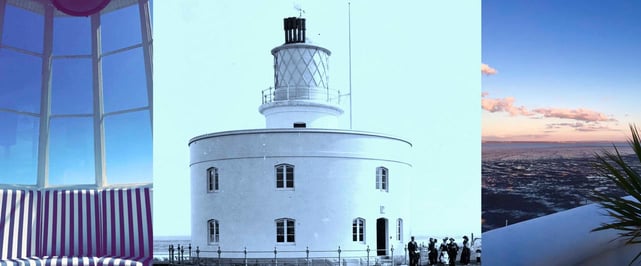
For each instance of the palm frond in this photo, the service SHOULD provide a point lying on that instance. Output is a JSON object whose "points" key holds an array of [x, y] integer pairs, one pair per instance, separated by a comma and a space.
{"points": [[625, 213]]}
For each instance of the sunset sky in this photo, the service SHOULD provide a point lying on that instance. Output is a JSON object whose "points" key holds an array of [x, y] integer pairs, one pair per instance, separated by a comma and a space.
{"points": [[560, 70]]}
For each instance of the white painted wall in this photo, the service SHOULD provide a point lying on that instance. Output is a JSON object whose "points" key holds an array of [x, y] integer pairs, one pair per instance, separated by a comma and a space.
{"points": [[315, 115], [563, 238], [335, 174]]}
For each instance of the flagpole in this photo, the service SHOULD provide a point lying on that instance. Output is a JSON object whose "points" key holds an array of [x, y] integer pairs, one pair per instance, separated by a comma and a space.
{"points": [[349, 26]]}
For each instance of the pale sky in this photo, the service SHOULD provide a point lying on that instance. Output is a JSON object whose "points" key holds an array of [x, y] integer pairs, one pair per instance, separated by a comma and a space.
{"points": [[560, 70], [415, 75]]}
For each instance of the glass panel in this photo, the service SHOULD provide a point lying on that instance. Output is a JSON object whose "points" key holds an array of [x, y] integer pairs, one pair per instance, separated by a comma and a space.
{"points": [[71, 154], [72, 36], [128, 148], [20, 76], [23, 29], [280, 231], [18, 149], [71, 86], [124, 82], [279, 176], [120, 28], [290, 176]]}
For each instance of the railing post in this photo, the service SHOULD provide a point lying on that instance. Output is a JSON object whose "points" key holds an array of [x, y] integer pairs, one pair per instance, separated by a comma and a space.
{"points": [[392, 249], [182, 254], [339, 255], [169, 250], [198, 254], [368, 255], [405, 259], [307, 254], [218, 251], [190, 258], [245, 260], [177, 251], [275, 259]]}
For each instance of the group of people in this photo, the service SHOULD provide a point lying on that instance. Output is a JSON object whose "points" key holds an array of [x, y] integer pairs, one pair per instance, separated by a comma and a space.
{"points": [[445, 254]]}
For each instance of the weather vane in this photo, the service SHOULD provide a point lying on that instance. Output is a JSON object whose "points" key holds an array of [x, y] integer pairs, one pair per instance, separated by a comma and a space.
{"points": [[300, 9]]}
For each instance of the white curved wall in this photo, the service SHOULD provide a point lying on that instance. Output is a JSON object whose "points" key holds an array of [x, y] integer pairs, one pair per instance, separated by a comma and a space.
{"points": [[563, 238], [334, 176], [314, 115]]}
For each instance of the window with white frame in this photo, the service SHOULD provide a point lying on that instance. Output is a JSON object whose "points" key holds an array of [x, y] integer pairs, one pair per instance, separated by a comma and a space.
{"points": [[284, 176], [399, 229], [213, 232], [212, 179], [285, 232], [358, 230], [382, 179]]}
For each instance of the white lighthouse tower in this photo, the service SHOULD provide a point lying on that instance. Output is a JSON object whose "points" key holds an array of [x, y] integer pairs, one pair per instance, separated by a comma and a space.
{"points": [[301, 96], [300, 184]]}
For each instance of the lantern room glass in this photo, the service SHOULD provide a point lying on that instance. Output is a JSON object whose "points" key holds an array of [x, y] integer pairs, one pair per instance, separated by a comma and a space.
{"points": [[75, 95]]}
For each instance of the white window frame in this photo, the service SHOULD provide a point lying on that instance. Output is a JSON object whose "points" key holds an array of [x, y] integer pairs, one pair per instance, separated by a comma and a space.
{"points": [[286, 181], [382, 178], [287, 230], [213, 238], [358, 230], [213, 182]]}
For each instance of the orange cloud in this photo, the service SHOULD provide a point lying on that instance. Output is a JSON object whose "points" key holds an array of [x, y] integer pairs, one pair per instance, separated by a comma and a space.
{"points": [[503, 105], [487, 70], [576, 114]]}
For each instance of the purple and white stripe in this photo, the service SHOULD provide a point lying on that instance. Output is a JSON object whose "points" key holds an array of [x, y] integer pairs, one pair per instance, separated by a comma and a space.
{"points": [[70, 223], [18, 226], [127, 228]]}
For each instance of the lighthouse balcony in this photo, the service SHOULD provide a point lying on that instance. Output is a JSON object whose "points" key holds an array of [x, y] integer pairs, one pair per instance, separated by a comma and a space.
{"points": [[302, 93]]}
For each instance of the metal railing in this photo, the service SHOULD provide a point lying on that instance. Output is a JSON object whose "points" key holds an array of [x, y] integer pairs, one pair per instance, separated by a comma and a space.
{"points": [[186, 255], [288, 93]]}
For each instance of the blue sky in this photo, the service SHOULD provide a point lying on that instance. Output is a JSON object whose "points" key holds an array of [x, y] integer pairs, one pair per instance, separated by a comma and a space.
{"points": [[128, 144], [415, 75], [567, 70]]}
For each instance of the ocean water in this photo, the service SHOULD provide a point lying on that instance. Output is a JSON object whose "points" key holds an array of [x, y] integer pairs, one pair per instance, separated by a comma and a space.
{"points": [[162, 243], [526, 180]]}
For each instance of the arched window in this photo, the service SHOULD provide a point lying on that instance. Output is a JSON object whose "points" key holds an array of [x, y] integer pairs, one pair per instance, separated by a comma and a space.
{"points": [[284, 176], [358, 230], [285, 231], [212, 179], [382, 179], [213, 231], [399, 229]]}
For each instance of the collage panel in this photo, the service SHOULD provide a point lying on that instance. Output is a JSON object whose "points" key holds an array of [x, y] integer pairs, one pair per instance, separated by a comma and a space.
{"points": [[76, 110], [560, 146], [341, 132]]}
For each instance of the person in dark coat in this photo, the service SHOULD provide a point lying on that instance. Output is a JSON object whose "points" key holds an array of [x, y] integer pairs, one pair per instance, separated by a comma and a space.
{"points": [[412, 248], [452, 251], [465, 254], [433, 253]]}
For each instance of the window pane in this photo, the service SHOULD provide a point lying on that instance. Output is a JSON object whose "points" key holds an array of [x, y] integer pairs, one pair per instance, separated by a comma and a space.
{"points": [[18, 149], [71, 86], [279, 176], [128, 148], [354, 231], [124, 82], [120, 28], [23, 29], [20, 76], [72, 36], [290, 176], [71, 154]]}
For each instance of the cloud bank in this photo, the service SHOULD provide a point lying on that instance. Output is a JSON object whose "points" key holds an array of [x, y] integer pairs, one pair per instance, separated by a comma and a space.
{"points": [[506, 104]]}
